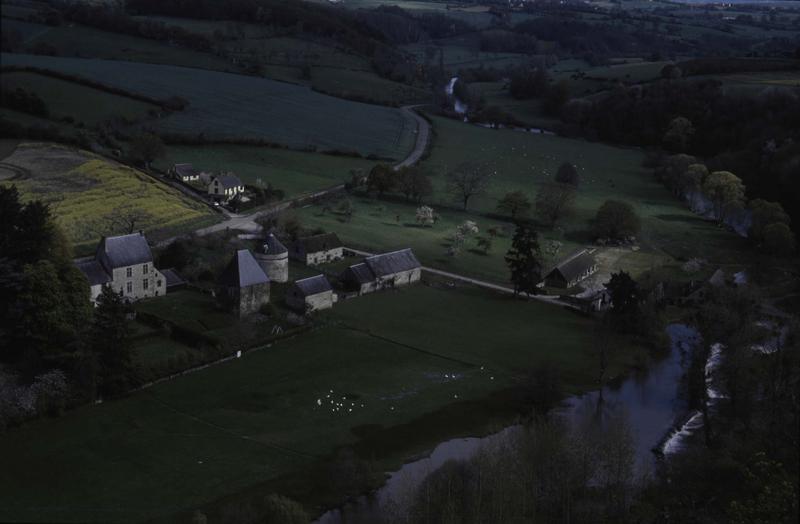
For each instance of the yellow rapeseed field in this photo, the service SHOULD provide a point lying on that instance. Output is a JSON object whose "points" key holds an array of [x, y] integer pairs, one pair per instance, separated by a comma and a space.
{"points": [[91, 196]]}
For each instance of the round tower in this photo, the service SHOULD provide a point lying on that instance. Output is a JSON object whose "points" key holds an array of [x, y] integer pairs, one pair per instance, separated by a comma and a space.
{"points": [[273, 257]]}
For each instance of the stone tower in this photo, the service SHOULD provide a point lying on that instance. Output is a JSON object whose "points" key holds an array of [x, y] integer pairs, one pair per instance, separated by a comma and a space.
{"points": [[273, 257]]}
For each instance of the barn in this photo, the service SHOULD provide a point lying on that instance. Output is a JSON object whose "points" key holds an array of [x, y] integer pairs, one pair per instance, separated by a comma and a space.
{"points": [[317, 249], [311, 294], [398, 268], [572, 270]]}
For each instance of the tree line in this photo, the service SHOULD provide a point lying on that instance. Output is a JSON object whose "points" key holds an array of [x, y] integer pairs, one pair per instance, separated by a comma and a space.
{"points": [[54, 346], [752, 134]]}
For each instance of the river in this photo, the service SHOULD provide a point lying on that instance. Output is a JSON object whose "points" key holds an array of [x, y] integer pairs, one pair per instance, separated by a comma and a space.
{"points": [[651, 400]]}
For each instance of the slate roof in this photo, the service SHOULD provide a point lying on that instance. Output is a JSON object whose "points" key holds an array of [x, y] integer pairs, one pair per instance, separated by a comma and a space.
{"points": [[273, 246], [322, 242], [172, 278], [718, 278], [123, 251], [228, 180], [94, 272], [361, 273], [243, 271], [391, 263], [313, 285], [186, 170], [574, 265]]}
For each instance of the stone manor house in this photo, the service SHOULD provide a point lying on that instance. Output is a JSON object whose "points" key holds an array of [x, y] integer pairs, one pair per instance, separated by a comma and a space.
{"points": [[126, 264]]}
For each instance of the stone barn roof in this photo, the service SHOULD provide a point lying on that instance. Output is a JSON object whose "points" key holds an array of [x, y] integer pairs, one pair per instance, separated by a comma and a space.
{"points": [[243, 271], [360, 273], [228, 180], [186, 170], [123, 251], [94, 272], [317, 243], [313, 285], [574, 266], [273, 246], [172, 278], [391, 263]]}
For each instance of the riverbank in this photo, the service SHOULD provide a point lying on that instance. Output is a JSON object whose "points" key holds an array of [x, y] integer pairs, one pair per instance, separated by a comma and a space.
{"points": [[650, 401]]}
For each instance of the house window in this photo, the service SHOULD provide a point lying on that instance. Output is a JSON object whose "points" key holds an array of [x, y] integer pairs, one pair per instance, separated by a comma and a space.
{"points": [[145, 284], [144, 269], [129, 272], [158, 283], [129, 287]]}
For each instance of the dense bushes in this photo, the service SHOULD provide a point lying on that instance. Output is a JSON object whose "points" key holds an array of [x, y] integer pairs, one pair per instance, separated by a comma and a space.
{"points": [[23, 101]]}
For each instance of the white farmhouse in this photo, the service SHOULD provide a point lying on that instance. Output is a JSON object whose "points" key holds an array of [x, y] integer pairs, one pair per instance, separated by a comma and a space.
{"points": [[225, 187]]}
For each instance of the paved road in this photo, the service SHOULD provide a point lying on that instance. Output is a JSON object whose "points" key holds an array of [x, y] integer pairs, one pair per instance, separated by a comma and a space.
{"points": [[548, 299], [423, 133]]}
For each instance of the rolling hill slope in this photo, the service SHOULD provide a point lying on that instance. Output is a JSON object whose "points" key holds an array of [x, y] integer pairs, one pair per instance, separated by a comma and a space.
{"points": [[229, 106]]}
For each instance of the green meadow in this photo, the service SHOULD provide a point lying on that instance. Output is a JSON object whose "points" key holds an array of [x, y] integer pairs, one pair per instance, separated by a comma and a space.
{"points": [[389, 359], [524, 161]]}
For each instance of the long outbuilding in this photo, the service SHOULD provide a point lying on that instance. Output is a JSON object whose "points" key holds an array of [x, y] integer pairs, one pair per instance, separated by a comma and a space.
{"points": [[394, 269], [572, 270]]}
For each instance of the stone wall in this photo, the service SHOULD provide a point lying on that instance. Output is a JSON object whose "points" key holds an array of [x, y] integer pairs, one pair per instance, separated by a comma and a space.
{"points": [[322, 257], [251, 298]]}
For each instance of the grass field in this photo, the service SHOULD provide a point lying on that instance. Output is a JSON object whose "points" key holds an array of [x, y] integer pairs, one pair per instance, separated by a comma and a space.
{"points": [[375, 227], [80, 103], [524, 161], [81, 41], [529, 112], [188, 441], [84, 191], [234, 106], [294, 172], [363, 85], [463, 52]]}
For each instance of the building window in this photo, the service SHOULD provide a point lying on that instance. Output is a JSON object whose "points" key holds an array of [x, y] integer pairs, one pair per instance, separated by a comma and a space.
{"points": [[145, 284], [129, 287], [158, 283], [144, 269], [129, 272]]}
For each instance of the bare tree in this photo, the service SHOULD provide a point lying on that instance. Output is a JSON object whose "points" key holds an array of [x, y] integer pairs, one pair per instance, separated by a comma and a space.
{"points": [[128, 218], [469, 179]]}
